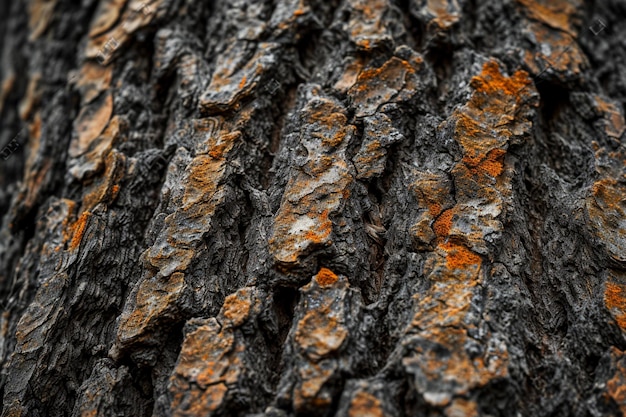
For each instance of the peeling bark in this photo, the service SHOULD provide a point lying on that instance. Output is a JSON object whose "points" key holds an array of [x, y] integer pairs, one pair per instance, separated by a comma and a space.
{"points": [[298, 208]]}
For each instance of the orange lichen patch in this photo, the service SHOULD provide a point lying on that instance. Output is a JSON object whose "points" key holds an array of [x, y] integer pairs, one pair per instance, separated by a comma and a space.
{"points": [[326, 115], [31, 98], [433, 193], [370, 160], [497, 111], [459, 257], [321, 230], [242, 83], [326, 277], [199, 195], [471, 128], [615, 300], [236, 308], [78, 229], [90, 123], [40, 14], [108, 13], [67, 222], [558, 14], [443, 224], [203, 175], [338, 137], [491, 82], [446, 304], [491, 164], [364, 404], [220, 148], [434, 209]]}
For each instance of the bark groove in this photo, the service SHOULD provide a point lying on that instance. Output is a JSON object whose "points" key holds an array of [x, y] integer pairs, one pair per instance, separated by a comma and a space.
{"points": [[305, 208]]}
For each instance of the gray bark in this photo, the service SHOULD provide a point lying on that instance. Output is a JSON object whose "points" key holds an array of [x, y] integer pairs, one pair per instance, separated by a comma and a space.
{"points": [[313, 208]]}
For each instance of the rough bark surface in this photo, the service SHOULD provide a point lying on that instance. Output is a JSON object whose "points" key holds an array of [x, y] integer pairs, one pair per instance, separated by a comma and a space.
{"points": [[313, 208]]}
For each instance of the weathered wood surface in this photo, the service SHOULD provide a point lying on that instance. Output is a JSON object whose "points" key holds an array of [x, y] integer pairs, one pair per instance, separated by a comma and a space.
{"points": [[313, 208]]}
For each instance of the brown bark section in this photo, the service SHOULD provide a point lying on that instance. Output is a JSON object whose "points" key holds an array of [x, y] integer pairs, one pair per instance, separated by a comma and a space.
{"points": [[301, 208]]}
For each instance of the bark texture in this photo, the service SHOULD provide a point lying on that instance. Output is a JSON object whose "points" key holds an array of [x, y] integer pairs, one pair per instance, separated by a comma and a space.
{"points": [[313, 208]]}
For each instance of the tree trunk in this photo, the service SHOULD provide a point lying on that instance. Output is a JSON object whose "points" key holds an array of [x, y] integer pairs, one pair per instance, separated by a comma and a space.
{"points": [[313, 208]]}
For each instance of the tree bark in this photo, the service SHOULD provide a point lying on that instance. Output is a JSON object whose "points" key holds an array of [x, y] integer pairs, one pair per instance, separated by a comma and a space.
{"points": [[313, 208]]}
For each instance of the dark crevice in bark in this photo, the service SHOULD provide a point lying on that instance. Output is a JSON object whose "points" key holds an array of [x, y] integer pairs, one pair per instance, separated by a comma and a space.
{"points": [[281, 106], [284, 302], [441, 60], [413, 26], [374, 226]]}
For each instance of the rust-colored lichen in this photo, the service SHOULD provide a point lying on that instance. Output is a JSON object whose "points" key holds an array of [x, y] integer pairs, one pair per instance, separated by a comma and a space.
{"points": [[434, 208], [492, 83], [459, 257], [326, 277], [491, 164], [78, 229], [445, 373], [615, 301], [442, 225]]}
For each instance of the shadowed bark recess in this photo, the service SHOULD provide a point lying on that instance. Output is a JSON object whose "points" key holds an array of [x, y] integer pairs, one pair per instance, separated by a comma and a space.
{"points": [[275, 208]]}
